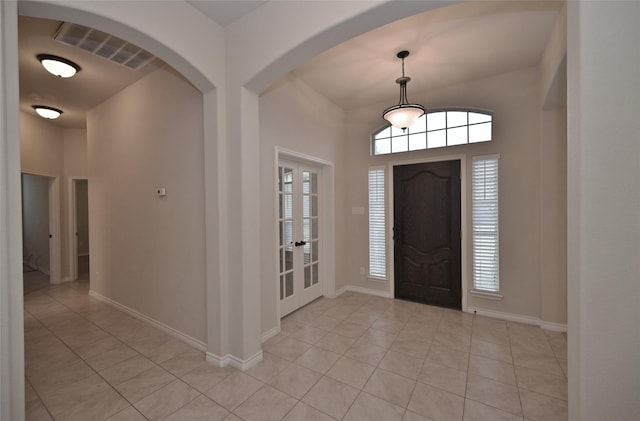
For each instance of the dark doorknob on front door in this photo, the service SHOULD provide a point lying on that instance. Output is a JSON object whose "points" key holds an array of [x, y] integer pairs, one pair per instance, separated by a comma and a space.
{"points": [[300, 243]]}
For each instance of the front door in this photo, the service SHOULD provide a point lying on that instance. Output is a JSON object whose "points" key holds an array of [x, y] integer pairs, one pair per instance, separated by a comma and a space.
{"points": [[427, 233], [300, 277]]}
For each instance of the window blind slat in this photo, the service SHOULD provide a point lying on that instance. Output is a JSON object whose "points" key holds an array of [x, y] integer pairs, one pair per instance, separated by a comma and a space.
{"points": [[484, 180], [377, 236]]}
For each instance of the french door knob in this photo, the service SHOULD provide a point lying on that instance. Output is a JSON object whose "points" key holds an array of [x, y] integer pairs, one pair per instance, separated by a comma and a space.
{"points": [[300, 243]]}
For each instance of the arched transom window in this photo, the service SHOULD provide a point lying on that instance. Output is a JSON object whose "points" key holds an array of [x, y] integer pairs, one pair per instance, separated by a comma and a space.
{"points": [[436, 129]]}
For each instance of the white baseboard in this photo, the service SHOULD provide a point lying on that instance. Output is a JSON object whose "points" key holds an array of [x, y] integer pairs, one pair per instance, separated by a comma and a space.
{"points": [[370, 291], [555, 327], [159, 325], [235, 362], [340, 291], [270, 333], [510, 317]]}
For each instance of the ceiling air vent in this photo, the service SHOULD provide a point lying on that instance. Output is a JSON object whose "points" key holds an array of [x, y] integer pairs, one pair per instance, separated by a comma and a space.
{"points": [[104, 45]]}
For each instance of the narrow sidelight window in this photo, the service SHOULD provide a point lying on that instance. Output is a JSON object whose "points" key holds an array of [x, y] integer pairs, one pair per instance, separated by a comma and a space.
{"points": [[377, 243], [484, 180]]}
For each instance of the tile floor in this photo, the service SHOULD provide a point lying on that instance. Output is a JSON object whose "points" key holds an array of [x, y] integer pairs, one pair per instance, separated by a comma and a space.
{"points": [[356, 357]]}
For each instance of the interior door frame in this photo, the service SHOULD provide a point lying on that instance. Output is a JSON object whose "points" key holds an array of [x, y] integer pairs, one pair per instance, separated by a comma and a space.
{"points": [[73, 226], [464, 258], [326, 214], [55, 242]]}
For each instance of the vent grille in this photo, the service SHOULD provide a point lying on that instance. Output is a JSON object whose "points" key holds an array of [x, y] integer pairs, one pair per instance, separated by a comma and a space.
{"points": [[104, 45]]}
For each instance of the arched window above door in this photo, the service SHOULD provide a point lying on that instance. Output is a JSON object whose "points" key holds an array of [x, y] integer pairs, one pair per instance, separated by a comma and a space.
{"points": [[437, 128]]}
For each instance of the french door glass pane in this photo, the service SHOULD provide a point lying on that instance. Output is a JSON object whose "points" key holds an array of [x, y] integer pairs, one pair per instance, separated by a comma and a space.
{"points": [[307, 276], [288, 206], [288, 180], [306, 206], [288, 258], [288, 284], [307, 253], [288, 233], [314, 279]]}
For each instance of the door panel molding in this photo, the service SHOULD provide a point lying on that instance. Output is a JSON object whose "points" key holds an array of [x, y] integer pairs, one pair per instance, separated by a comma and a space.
{"points": [[464, 212]]}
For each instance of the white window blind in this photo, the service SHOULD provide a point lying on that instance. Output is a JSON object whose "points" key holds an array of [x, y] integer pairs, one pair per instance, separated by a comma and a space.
{"points": [[484, 180], [377, 243]]}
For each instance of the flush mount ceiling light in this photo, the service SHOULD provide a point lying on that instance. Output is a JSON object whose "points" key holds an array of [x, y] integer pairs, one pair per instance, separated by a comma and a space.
{"points": [[49, 113], [404, 114], [58, 66]]}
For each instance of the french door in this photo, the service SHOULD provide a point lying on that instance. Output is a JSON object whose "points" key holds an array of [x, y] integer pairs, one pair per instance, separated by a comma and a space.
{"points": [[300, 278]]}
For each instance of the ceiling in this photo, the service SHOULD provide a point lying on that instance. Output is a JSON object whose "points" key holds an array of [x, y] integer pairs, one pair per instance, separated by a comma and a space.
{"points": [[98, 80], [455, 44], [450, 45], [226, 11]]}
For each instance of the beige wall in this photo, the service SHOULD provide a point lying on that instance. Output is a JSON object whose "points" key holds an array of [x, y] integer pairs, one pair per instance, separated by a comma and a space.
{"points": [[75, 152], [514, 98], [41, 146], [147, 252], [553, 227], [294, 117]]}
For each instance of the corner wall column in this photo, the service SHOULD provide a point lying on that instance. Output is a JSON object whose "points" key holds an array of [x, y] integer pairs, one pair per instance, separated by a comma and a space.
{"points": [[11, 300], [603, 169]]}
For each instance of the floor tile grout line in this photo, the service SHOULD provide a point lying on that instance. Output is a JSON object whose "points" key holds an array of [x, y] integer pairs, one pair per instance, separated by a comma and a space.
{"points": [[186, 403], [39, 398], [96, 371], [515, 372], [392, 317], [361, 390]]}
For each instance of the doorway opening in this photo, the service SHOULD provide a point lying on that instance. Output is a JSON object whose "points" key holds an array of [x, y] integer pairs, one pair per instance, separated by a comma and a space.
{"points": [[305, 230], [40, 231], [79, 260]]}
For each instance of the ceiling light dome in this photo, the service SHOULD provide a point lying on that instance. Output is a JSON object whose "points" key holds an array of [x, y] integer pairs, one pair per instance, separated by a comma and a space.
{"points": [[58, 66], [49, 113], [404, 114]]}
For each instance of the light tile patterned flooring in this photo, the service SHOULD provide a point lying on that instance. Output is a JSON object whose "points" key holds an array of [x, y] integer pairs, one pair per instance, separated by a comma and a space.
{"points": [[354, 358]]}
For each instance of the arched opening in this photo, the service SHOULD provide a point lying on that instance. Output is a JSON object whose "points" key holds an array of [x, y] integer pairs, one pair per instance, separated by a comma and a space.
{"points": [[203, 89]]}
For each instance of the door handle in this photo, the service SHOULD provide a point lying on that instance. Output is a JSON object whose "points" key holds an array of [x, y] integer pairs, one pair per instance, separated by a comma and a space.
{"points": [[300, 243]]}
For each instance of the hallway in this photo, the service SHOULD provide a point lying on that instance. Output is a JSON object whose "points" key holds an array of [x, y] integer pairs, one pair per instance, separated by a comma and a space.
{"points": [[356, 357]]}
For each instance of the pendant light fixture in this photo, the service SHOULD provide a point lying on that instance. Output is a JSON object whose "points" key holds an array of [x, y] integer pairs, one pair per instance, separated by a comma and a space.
{"points": [[49, 113], [58, 66], [404, 114]]}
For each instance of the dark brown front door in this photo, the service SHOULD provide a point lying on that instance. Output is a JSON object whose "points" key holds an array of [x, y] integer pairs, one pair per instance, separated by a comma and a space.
{"points": [[427, 233]]}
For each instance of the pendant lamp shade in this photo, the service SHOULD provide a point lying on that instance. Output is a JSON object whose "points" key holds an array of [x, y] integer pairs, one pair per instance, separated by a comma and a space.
{"points": [[404, 114]]}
